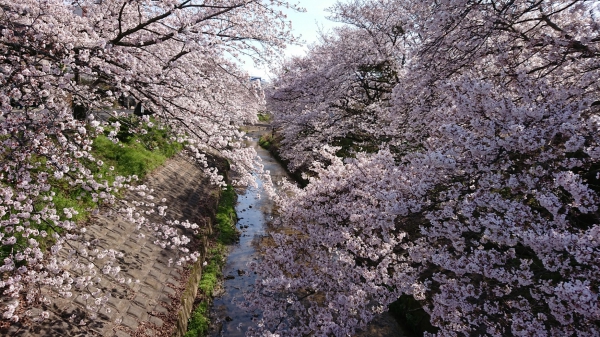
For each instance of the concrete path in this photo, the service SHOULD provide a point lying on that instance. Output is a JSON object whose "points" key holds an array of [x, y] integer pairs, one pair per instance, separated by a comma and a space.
{"points": [[147, 307]]}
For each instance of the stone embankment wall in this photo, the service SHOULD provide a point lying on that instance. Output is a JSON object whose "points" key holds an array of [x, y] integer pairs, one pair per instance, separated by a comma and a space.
{"points": [[189, 293], [159, 300]]}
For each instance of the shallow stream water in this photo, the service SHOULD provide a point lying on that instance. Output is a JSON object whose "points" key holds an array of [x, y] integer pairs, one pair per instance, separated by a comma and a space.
{"points": [[254, 210]]}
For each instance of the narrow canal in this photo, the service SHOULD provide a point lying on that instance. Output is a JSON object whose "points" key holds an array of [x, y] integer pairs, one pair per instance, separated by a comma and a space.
{"points": [[254, 210]]}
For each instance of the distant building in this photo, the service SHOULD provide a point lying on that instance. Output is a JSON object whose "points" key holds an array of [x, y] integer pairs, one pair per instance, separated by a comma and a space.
{"points": [[263, 83]]}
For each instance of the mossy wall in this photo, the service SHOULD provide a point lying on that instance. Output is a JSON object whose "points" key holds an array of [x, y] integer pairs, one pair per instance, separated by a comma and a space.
{"points": [[194, 322]]}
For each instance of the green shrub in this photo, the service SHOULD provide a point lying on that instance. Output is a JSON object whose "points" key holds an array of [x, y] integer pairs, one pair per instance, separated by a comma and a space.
{"points": [[264, 117], [199, 322], [265, 141], [226, 217], [211, 273]]}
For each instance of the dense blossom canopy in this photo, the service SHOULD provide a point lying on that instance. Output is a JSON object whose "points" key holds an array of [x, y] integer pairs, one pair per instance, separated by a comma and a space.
{"points": [[454, 149], [64, 63]]}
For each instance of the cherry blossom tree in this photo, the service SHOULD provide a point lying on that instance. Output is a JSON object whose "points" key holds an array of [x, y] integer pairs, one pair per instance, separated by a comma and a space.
{"points": [[481, 201], [62, 63], [335, 96]]}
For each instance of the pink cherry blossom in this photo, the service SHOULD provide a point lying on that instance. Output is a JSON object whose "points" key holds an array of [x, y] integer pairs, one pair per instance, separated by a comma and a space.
{"points": [[450, 148], [176, 57]]}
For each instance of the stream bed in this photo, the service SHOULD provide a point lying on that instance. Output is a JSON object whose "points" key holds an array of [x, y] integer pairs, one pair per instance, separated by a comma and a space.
{"points": [[254, 211]]}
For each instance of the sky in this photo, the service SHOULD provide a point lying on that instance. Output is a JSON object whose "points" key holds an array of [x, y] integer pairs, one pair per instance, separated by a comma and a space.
{"points": [[306, 25]]}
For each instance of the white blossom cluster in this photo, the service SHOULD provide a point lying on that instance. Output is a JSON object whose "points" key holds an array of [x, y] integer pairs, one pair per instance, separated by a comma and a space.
{"points": [[173, 56], [471, 181]]}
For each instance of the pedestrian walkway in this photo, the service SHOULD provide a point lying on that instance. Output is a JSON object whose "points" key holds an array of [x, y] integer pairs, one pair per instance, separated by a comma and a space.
{"points": [[148, 306]]}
